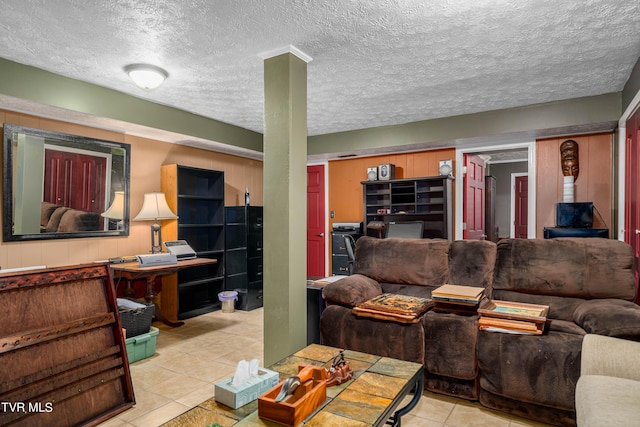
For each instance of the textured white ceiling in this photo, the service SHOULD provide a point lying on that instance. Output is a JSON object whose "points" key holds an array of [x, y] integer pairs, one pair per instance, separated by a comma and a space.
{"points": [[374, 63]]}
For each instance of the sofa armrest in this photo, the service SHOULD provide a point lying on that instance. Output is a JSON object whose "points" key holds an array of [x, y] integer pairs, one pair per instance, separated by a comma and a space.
{"points": [[612, 357], [610, 317], [351, 291]]}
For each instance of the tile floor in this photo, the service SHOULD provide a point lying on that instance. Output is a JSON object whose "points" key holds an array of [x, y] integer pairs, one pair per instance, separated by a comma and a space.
{"points": [[191, 358]]}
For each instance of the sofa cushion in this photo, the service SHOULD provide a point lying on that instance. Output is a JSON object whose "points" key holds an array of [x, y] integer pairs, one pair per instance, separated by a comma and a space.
{"points": [[54, 220], [610, 317], [451, 345], [410, 261], [45, 212], [74, 220], [351, 291], [569, 267], [340, 328], [607, 401], [538, 369], [471, 262]]}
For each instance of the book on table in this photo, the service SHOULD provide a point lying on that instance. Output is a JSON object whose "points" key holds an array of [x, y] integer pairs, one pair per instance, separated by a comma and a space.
{"points": [[458, 294], [514, 326]]}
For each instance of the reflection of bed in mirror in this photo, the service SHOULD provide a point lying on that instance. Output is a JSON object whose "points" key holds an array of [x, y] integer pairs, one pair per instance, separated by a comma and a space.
{"points": [[74, 194]]}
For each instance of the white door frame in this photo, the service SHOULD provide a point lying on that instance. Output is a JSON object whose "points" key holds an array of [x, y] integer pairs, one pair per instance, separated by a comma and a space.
{"points": [[531, 167], [512, 228]]}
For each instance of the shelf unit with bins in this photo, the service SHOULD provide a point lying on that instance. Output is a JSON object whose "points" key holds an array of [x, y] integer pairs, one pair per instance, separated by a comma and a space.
{"points": [[425, 199], [197, 197]]}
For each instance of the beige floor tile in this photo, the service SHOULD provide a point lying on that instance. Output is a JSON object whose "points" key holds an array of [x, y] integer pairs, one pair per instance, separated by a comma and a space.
{"points": [[161, 415], [521, 422], [434, 407], [210, 370], [116, 422], [146, 401], [178, 388], [472, 415], [410, 420], [149, 376], [190, 359], [197, 396]]}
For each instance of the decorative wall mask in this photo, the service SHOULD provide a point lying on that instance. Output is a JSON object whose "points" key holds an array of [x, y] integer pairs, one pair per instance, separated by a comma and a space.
{"points": [[569, 158]]}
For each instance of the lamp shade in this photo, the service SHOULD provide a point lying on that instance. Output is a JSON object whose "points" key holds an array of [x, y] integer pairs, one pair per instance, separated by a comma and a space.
{"points": [[116, 210], [155, 207]]}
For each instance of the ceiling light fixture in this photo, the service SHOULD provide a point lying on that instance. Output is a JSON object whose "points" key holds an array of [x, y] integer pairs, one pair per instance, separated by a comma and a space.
{"points": [[146, 76]]}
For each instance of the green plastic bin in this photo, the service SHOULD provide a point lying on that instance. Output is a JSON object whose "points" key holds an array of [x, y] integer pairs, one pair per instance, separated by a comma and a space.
{"points": [[142, 346]]}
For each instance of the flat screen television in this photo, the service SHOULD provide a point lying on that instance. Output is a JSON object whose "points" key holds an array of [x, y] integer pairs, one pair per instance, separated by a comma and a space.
{"points": [[575, 215]]}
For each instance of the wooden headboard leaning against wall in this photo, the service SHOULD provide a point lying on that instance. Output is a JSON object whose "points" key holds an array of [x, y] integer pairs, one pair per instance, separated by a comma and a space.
{"points": [[62, 350]]}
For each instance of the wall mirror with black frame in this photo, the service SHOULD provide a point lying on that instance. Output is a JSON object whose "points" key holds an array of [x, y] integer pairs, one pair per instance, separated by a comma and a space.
{"points": [[60, 186]]}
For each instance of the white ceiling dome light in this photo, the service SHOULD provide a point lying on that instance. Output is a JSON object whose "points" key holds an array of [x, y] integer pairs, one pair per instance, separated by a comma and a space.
{"points": [[146, 76]]}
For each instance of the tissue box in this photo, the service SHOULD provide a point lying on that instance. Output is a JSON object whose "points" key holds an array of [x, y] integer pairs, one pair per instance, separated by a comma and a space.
{"points": [[236, 397]]}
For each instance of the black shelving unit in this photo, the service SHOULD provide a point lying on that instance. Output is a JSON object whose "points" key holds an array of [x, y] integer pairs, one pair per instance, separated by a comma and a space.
{"points": [[420, 199], [197, 195], [243, 236]]}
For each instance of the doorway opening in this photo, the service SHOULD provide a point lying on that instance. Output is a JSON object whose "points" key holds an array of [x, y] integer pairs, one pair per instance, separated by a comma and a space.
{"points": [[503, 160]]}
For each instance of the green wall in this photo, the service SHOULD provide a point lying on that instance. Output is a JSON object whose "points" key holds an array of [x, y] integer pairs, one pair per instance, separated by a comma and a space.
{"points": [[561, 114], [40, 86], [33, 84]]}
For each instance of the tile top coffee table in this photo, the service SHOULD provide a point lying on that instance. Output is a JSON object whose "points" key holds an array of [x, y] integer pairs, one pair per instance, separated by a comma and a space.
{"points": [[371, 398]]}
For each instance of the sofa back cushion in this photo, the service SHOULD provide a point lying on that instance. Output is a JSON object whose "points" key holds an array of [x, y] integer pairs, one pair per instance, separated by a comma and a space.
{"points": [[45, 212], [586, 268], [471, 262], [410, 261], [74, 220]]}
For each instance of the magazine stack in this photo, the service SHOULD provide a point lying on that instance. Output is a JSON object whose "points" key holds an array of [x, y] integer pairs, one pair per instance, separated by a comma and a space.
{"points": [[513, 317], [457, 298]]}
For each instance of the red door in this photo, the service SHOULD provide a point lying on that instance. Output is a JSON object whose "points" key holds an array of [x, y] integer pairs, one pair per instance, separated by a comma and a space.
{"points": [[632, 193], [473, 198], [315, 221], [521, 200]]}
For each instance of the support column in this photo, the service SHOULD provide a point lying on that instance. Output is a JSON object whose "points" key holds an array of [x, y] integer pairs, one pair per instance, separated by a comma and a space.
{"points": [[285, 204]]}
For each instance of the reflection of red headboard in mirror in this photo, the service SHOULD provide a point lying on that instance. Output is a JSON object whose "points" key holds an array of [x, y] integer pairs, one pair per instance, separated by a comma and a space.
{"points": [[75, 180], [62, 350]]}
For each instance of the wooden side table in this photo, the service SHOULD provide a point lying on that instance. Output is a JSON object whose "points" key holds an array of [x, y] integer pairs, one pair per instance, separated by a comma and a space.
{"points": [[132, 271]]}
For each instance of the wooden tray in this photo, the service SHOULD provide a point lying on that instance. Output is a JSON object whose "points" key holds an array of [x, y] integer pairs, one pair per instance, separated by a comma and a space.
{"points": [[307, 397]]}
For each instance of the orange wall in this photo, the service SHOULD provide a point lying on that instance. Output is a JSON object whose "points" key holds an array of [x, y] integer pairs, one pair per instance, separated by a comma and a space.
{"points": [[345, 177], [594, 183], [147, 156]]}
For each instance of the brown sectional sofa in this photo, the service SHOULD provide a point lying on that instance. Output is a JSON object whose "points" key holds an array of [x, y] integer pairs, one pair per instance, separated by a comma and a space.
{"points": [[587, 283]]}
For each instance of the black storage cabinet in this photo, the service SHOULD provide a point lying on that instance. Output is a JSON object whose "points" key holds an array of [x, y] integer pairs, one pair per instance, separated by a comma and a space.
{"points": [[243, 242]]}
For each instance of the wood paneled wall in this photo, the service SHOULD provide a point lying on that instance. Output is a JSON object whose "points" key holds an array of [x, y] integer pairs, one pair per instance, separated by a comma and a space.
{"points": [[594, 183], [345, 176], [147, 155]]}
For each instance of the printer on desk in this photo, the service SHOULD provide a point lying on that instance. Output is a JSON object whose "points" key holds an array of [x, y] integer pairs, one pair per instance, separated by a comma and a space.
{"points": [[180, 248]]}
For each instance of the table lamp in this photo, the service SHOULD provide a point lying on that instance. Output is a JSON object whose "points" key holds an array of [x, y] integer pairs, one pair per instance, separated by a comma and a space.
{"points": [[116, 210], [155, 207]]}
